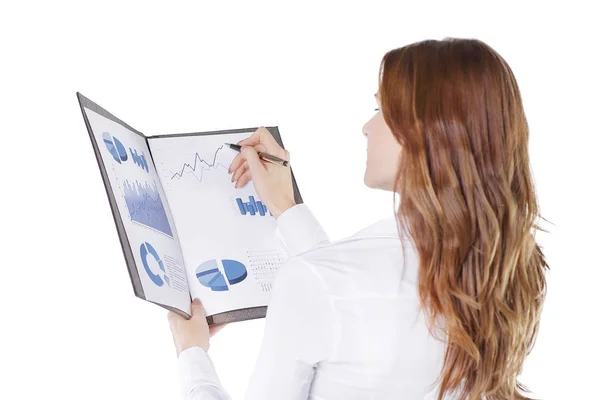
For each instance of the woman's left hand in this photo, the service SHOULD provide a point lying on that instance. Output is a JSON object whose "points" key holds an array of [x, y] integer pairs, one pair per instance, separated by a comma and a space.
{"points": [[194, 331]]}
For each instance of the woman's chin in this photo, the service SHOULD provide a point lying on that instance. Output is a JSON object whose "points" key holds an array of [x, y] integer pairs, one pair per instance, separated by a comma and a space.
{"points": [[368, 180], [375, 183]]}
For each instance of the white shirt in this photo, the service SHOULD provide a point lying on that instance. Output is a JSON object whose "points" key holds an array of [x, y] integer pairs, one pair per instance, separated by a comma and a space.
{"points": [[343, 322]]}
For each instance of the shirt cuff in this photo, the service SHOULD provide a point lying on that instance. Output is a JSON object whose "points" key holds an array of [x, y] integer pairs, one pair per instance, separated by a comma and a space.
{"points": [[197, 373], [299, 230]]}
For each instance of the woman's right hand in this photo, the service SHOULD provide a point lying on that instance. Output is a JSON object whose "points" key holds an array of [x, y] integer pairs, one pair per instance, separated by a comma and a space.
{"points": [[273, 182]]}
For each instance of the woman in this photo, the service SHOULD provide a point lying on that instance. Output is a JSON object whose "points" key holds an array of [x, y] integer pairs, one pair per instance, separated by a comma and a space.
{"points": [[440, 300]]}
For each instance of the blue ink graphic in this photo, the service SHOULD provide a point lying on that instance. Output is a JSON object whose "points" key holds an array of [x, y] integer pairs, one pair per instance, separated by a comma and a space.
{"points": [[208, 274], [146, 207], [115, 147], [201, 164], [145, 250], [252, 207], [140, 161]]}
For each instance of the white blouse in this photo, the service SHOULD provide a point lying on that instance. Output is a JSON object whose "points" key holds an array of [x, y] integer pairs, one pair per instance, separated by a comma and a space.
{"points": [[343, 322]]}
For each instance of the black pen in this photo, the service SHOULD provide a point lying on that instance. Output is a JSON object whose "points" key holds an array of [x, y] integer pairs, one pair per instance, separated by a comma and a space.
{"points": [[263, 156]]}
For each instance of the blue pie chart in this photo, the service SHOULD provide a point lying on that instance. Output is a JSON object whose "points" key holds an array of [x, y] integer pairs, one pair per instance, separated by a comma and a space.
{"points": [[210, 276], [146, 249], [115, 147]]}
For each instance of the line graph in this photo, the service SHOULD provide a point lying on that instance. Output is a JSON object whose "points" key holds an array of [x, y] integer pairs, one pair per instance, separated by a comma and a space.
{"points": [[145, 206], [201, 165]]}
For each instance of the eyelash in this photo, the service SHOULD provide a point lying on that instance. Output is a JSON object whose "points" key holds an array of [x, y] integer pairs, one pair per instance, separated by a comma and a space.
{"points": [[377, 109]]}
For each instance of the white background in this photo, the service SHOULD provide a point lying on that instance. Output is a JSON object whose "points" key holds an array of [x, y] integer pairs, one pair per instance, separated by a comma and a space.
{"points": [[71, 326]]}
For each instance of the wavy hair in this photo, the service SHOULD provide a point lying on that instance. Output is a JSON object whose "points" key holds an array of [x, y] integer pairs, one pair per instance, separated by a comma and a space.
{"points": [[468, 201]]}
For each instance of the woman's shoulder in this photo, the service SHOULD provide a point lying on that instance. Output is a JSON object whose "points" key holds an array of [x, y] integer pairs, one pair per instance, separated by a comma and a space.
{"points": [[375, 258], [360, 265], [383, 238]]}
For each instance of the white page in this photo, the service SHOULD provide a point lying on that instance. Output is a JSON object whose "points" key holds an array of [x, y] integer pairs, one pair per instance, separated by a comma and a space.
{"points": [[144, 212], [213, 233]]}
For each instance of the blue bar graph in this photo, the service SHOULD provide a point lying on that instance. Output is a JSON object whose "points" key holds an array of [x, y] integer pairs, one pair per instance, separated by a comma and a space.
{"points": [[140, 161], [252, 207]]}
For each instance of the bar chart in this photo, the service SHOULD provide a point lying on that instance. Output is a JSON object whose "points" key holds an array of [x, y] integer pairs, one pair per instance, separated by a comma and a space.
{"points": [[252, 207]]}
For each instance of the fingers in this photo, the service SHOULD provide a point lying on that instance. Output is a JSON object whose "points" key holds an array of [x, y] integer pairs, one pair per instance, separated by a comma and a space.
{"points": [[255, 138], [213, 329], [174, 318], [250, 154], [238, 172], [197, 309], [237, 161], [245, 178], [262, 136]]}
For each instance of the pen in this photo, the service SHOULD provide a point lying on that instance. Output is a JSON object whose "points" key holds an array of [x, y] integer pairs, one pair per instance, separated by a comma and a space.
{"points": [[264, 156]]}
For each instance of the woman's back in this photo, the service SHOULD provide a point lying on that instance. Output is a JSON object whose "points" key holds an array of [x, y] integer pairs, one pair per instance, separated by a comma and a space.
{"points": [[379, 345]]}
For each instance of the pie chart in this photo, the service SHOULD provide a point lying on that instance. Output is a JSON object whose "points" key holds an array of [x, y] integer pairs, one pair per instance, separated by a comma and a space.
{"points": [[115, 148], [210, 276], [146, 250]]}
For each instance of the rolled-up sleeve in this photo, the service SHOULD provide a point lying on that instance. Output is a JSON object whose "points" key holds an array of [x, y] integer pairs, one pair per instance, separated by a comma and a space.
{"points": [[299, 230]]}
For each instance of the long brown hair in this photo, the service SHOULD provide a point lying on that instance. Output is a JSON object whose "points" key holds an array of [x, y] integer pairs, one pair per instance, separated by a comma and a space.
{"points": [[468, 201]]}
